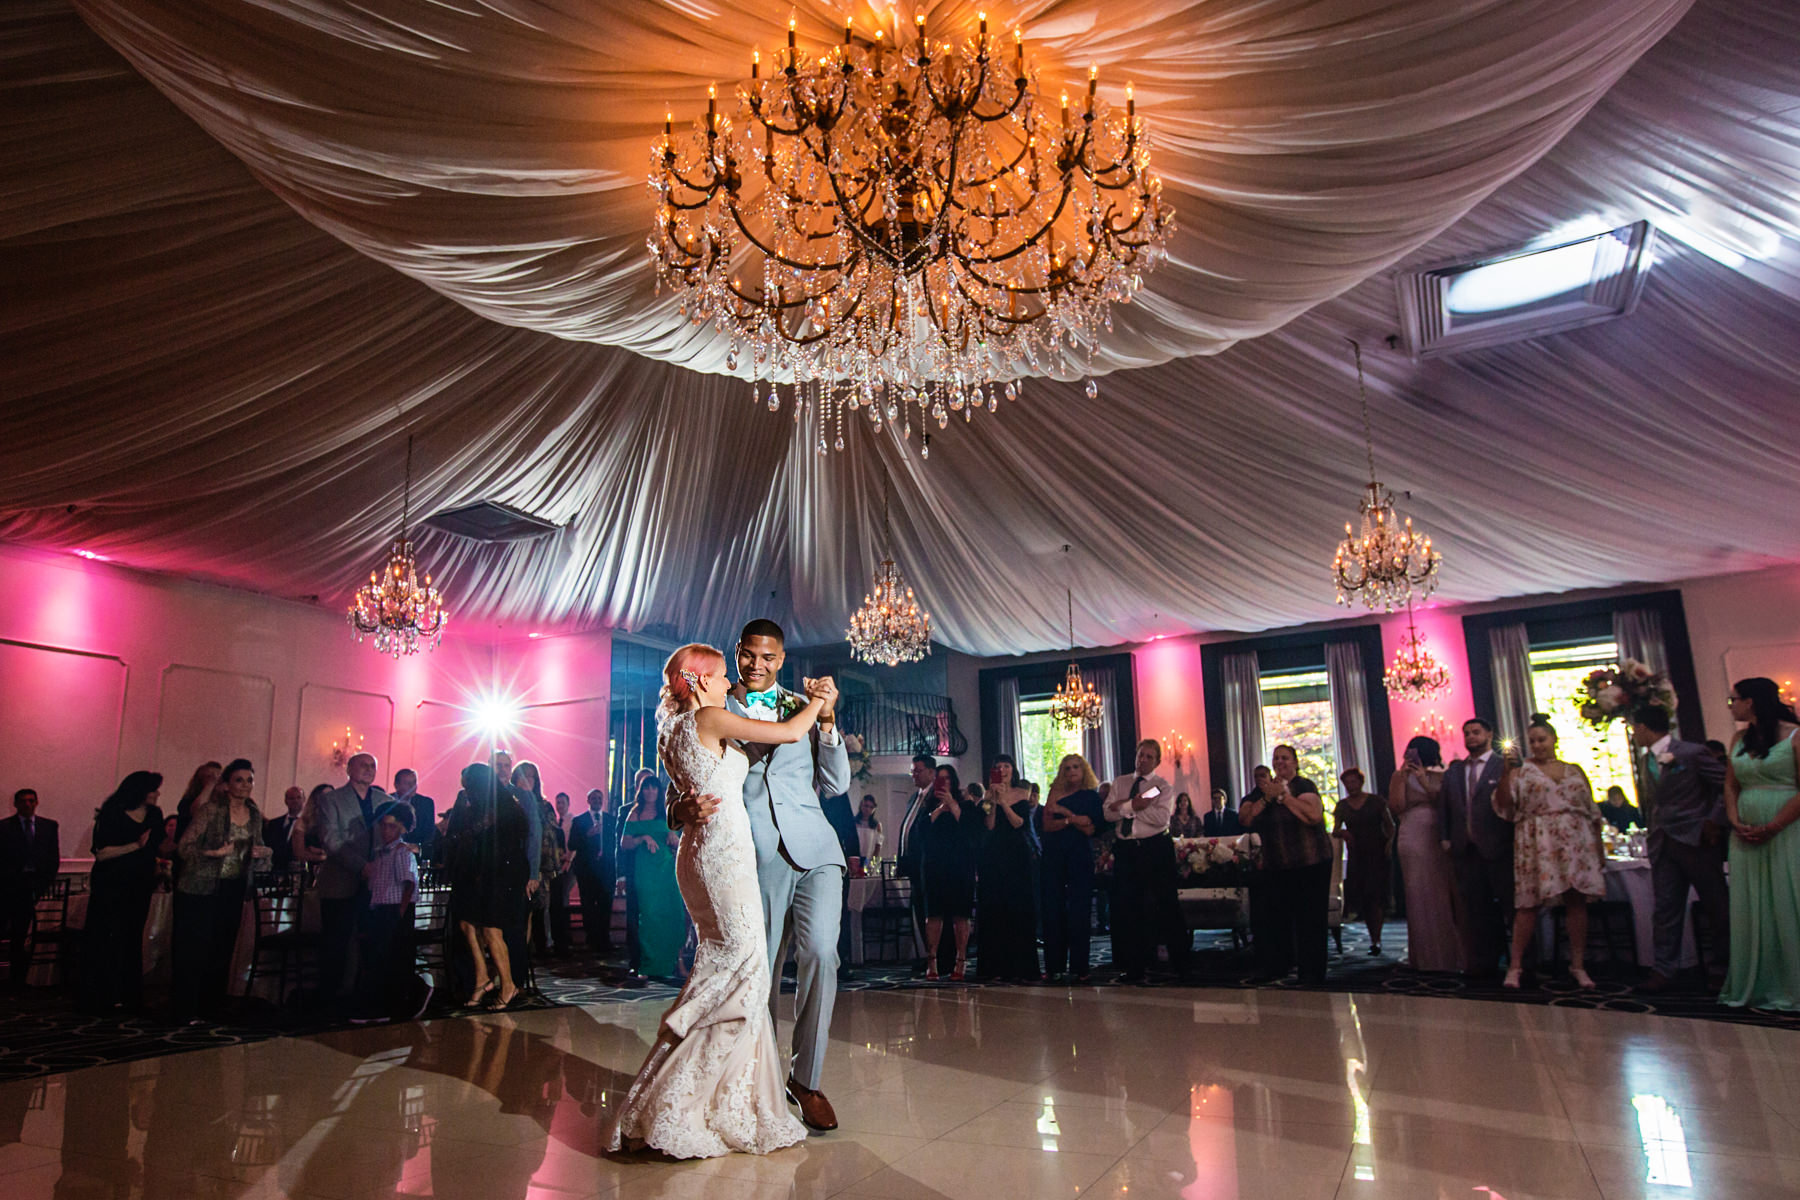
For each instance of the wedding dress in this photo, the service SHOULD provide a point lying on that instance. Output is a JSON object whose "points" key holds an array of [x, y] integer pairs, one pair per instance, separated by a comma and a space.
{"points": [[713, 1083]]}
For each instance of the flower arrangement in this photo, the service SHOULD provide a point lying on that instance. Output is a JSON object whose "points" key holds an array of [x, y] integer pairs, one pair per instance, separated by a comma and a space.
{"points": [[861, 762], [1217, 862], [1610, 693]]}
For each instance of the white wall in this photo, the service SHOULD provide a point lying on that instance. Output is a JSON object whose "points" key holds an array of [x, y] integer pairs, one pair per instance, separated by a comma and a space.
{"points": [[105, 670]]}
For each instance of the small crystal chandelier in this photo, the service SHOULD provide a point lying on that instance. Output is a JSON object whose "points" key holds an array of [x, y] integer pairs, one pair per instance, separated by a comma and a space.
{"points": [[896, 230], [1415, 675], [1387, 563], [1076, 705], [393, 607], [890, 627]]}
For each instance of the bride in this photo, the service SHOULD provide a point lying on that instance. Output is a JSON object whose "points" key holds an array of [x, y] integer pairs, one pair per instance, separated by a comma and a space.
{"points": [[713, 1082]]}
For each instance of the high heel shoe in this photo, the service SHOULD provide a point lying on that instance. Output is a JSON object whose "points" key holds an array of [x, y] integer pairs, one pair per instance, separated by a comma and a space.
{"points": [[481, 992], [931, 972], [962, 971]]}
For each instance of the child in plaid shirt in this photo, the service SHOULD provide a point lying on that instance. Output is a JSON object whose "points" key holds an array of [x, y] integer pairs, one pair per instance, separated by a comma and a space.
{"points": [[385, 943]]}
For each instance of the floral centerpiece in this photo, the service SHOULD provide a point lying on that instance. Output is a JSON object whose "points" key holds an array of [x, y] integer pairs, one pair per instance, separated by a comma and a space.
{"points": [[1609, 693], [1218, 862], [860, 759]]}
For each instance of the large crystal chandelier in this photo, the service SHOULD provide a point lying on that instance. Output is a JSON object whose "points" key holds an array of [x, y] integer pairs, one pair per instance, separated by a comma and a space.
{"points": [[897, 229], [1387, 563], [889, 628], [394, 607], [1076, 705], [1415, 675]]}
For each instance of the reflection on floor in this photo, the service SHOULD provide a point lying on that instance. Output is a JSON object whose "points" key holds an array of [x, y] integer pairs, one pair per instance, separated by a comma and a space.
{"points": [[980, 1094]]}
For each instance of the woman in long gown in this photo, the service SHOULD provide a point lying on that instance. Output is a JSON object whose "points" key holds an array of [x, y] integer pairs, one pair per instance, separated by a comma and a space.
{"points": [[1557, 855], [713, 1082], [662, 922], [1432, 940], [1362, 822], [1762, 801], [1006, 896]]}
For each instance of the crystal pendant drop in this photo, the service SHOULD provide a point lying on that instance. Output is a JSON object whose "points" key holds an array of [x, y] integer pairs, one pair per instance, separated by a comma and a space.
{"points": [[1093, 390]]}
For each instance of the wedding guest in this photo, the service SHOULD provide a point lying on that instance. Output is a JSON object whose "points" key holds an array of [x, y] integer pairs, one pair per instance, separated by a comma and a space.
{"points": [[1686, 843], [1289, 816], [1221, 820], [1362, 822], [1620, 812], [1185, 822], [1258, 778], [128, 828], [1481, 849], [593, 837], [304, 843], [562, 926], [910, 853], [278, 832], [1103, 856], [1071, 817], [219, 850], [504, 774], [1557, 856], [487, 851], [661, 915], [1433, 941], [30, 857], [950, 834], [1145, 910], [343, 821], [423, 832], [868, 830], [1006, 896], [385, 939], [528, 790], [199, 786], [625, 856], [1762, 802]]}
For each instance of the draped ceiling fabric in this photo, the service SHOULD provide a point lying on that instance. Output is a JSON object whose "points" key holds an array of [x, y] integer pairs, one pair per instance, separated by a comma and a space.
{"points": [[246, 248]]}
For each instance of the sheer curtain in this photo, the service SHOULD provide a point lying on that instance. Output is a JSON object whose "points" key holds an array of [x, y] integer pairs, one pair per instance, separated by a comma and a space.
{"points": [[1514, 702], [1349, 709], [1242, 686], [1006, 696], [1639, 634], [1098, 745]]}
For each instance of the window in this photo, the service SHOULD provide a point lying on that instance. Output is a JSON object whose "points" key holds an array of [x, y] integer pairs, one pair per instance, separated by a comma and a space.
{"points": [[1043, 744], [1297, 713], [1556, 675]]}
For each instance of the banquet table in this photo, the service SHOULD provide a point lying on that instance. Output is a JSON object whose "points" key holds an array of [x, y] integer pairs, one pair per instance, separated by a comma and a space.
{"points": [[866, 892], [1628, 879]]}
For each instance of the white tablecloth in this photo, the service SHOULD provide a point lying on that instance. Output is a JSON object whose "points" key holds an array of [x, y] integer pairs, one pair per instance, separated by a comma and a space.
{"points": [[1628, 879], [866, 893]]}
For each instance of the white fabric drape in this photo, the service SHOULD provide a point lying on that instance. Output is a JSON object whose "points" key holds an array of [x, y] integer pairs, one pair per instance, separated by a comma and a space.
{"points": [[201, 381], [1349, 709], [1006, 695], [1099, 745], [1514, 698], [1241, 699]]}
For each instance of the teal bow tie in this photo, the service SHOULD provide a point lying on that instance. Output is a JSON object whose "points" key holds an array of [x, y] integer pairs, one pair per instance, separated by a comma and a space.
{"points": [[763, 699]]}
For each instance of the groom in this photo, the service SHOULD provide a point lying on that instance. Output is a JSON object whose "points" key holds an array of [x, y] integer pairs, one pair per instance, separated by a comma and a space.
{"points": [[799, 862]]}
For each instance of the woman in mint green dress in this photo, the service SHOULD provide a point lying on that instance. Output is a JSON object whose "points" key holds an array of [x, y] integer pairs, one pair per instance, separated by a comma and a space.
{"points": [[1762, 801], [662, 917]]}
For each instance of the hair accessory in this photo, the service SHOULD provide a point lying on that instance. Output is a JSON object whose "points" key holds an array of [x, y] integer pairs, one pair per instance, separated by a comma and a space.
{"points": [[692, 679]]}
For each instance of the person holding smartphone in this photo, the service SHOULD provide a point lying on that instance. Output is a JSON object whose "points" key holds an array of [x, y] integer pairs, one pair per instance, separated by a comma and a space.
{"points": [[1145, 910], [1006, 896], [1289, 816]]}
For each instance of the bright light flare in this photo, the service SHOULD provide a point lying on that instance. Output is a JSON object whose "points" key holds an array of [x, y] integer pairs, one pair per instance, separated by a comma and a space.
{"points": [[495, 716]]}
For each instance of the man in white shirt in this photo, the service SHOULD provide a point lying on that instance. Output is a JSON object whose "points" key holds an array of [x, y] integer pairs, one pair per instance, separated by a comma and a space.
{"points": [[1144, 906], [910, 855]]}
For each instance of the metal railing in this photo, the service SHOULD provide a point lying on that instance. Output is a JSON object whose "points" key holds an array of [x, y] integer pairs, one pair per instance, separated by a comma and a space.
{"points": [[904, 723]]}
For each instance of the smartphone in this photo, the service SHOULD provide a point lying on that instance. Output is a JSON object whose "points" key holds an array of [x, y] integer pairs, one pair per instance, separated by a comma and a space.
{"points": [[1152, 794], [994, 777], [1412, 758]]}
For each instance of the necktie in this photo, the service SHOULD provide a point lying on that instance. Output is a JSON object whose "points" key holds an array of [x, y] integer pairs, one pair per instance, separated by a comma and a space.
{"points": [[1652, 766], [1125, 825], [1469, 797]]}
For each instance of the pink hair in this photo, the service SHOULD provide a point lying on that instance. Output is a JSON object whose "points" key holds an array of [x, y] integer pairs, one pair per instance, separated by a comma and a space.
{"points": [[683, 670]]}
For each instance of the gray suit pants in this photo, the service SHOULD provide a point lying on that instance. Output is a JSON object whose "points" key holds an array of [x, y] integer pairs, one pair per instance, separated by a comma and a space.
{"points": [[1675, 867], [802, 910]]}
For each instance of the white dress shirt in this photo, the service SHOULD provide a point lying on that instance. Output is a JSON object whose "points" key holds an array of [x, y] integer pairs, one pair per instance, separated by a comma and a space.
{"points": [[1148, 821]]}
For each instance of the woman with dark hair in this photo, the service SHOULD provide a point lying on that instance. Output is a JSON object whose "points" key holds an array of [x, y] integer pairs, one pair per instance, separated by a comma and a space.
{"points": [[1433, 942], [1185, 822], [528, 787], [661, 914], [1007, 870], [1289, 815], [1619, 811], [128, 828], [951, 830], [1362, 822], [218, 853], [1762, 802], [1557, 855], [484, 843], [869, 834]]}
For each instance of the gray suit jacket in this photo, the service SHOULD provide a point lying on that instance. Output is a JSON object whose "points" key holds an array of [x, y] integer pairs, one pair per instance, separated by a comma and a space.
{"points": [[782, 794], [1464, 818], [1685, 794], [340, 829]]}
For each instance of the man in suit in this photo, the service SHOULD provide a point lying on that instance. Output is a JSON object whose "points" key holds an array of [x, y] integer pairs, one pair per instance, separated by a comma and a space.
{"points": [[30, 856], [344, 822], [799, 862], [910, 854], [424, 824], [1222, 820], [1686, 814], [1145, 909], [592, 836], [1480, 843], [278, 832]]}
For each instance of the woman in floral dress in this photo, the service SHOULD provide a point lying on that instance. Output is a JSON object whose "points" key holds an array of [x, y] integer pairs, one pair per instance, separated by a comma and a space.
{"points": [[1557, 857]]}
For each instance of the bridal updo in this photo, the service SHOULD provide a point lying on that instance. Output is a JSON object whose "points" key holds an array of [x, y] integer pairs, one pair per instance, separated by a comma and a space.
{"points": [[692, 660]]}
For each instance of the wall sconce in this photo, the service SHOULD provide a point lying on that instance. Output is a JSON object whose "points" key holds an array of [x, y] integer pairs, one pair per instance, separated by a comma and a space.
{"points": [[1175, 746], [342, 751]]}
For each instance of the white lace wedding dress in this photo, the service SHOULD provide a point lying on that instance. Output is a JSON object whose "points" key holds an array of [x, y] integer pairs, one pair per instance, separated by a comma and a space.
{"points": [[714, 1082]]}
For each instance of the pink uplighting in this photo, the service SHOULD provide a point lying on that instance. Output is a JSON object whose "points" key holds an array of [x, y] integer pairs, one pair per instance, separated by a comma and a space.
{"points": [[89, 554]]}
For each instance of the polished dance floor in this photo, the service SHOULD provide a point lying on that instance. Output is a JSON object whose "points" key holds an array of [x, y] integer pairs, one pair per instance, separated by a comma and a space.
{"points": [[976, 1094]]}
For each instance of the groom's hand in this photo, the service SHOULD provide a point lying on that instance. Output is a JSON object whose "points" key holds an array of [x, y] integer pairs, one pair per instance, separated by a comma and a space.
{"points": [[825, 688], [691, 812]]}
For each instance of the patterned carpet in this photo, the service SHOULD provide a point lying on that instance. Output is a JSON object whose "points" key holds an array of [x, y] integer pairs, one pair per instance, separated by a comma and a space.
{"points": [[41, 1034]]}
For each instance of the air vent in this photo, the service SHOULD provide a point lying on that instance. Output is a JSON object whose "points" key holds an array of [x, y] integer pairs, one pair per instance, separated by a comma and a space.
{"points": [[490, 521], [1523, 294]]}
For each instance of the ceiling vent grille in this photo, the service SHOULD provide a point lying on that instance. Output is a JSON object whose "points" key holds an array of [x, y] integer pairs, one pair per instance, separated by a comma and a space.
{"points": [[490, 521], [1526, 293]]}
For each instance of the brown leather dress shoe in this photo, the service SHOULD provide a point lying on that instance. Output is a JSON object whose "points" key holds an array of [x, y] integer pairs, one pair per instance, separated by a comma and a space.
{"points": [[815, 1110], [1657, 982]]}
